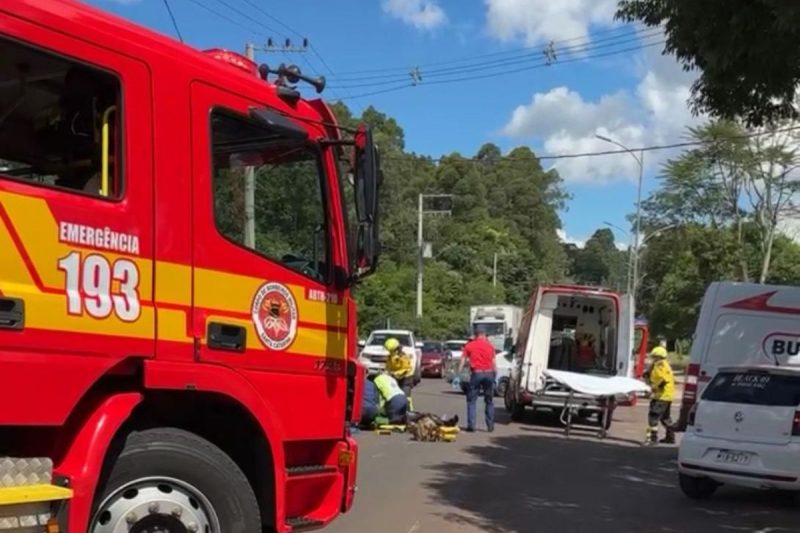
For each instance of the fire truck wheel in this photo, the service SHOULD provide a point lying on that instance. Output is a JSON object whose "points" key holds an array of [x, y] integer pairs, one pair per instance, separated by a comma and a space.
{"points": [[173, 481]]}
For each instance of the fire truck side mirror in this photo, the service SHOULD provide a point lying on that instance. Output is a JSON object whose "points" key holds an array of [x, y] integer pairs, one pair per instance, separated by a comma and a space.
{"points": [[367, 181]]}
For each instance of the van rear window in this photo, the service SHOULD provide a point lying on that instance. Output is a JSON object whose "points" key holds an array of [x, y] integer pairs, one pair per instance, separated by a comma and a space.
{"points": [[754, 388]]}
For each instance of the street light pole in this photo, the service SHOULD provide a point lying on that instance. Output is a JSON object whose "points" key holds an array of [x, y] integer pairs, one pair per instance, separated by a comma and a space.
{"points": [[640, 161], [630, 257], [646, 238], [636, 245]]}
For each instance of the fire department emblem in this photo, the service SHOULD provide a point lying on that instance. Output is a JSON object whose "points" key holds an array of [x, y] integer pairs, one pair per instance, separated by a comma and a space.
{"points": [[275, 316]]}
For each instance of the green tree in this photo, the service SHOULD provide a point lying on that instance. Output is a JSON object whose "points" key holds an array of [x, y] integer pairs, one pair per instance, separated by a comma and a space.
{"points": [[600, 262], [502, 204], [747, 52], [734, 180]]}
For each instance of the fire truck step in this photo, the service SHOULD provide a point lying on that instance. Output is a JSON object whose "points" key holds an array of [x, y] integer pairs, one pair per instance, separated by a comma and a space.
{"points": [[301, 523], [32, 508], [22, 471], [308, 470]]}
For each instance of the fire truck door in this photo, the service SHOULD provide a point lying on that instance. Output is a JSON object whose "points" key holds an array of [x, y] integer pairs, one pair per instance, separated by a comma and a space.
{"points": [[263, 284], [76, 222]]}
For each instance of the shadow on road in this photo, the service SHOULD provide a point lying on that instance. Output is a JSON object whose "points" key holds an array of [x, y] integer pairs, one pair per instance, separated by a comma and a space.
{"points": [[515, 485]]}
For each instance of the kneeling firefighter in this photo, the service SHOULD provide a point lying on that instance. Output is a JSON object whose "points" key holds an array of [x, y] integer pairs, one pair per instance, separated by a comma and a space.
{"points": [[662, 382], [400, 366], [393, 401]]}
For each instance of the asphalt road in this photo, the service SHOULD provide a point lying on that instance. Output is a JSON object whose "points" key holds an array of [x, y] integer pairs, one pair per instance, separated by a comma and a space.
{"points": [[528, 478]]}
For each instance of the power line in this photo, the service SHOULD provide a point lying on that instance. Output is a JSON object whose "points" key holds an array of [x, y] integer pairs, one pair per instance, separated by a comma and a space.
{"points": [[174, 22], [593, 45], [225, 17], [243, 14], [650, 148], [496, 65], [273, 18], [625, 29], [509, 72]]}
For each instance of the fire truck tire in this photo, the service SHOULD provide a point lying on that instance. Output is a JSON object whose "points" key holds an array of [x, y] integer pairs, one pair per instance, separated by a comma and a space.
{"points": [[168, 479]]}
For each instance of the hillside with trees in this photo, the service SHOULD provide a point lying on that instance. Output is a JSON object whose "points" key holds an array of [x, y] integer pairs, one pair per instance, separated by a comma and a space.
{"points": [[715, 215]]}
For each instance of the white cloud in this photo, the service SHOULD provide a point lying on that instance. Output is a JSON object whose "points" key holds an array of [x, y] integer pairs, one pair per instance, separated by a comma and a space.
{"points": [[536, 21], [566, 239], [790, 226], [581, 242], [422, 14], [655, 112]]}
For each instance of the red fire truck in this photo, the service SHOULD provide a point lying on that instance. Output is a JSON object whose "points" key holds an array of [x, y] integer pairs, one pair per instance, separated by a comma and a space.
{"points": [[179, 234]]}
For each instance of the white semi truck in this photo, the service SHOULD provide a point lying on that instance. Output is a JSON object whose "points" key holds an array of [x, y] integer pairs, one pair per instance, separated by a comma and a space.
{"points": [[500, 322]]}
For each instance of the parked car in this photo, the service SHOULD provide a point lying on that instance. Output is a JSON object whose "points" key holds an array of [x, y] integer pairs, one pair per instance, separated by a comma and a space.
{"points": [[452, 354], [744, 431], [373, 355], [453, 348], [432, 359]]}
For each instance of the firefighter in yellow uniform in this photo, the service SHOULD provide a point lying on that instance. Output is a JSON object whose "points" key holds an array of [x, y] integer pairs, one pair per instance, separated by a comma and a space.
{"points": [[662, 383], [400, 366]]}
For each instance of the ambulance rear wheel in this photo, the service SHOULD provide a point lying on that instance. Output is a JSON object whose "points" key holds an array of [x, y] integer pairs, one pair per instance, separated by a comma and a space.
{"points": [[172, 481]]}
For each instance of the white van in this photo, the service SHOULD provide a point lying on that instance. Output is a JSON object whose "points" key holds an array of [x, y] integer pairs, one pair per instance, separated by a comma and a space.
{"points": [[741, 324], [557, 321]]}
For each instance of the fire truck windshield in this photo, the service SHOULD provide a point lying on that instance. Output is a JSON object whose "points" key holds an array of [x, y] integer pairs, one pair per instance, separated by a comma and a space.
{"points": [[279, 182]]}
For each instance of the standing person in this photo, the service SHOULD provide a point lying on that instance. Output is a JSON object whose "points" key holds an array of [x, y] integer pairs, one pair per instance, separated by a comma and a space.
{"points": [[662, 382], [399, 365], [483, 372]]}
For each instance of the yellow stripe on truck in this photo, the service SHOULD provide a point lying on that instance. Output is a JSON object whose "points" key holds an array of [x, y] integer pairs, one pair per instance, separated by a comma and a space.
{"points": [[240, 289]]}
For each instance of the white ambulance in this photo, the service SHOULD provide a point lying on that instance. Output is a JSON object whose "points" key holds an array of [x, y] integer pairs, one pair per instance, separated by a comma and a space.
{"points": [[584, 330], [741, 324]]}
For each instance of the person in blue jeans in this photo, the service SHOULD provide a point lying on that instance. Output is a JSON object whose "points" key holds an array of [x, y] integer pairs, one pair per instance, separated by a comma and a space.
{"points": [[370, 408], [480, 355]]}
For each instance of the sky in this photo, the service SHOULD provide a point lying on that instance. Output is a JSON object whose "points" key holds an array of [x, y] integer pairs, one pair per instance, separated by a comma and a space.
{"points": [[602, 78]]}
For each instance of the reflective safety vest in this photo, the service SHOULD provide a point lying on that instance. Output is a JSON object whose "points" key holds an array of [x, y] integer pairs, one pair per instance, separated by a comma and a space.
{"points": [[399, 365], [388, 388]]}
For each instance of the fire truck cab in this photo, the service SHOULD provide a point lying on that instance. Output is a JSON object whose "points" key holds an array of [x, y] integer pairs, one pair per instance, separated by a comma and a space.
{"points": [[178, 241]]}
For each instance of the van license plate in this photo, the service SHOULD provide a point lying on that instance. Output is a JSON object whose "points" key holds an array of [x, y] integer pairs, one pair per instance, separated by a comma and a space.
{"points": [[739, 458]]}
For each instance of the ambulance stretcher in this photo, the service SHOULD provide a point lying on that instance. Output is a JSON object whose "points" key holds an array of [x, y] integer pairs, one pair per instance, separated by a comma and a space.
{"points": [[575, 394]]}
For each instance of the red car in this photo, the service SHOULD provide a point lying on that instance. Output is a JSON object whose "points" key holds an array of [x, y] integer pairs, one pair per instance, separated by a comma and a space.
{"points": [[432, 359]]}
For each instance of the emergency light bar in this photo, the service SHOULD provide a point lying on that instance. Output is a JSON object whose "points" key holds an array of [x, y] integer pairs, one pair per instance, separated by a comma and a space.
{"points": [[232, 58]]}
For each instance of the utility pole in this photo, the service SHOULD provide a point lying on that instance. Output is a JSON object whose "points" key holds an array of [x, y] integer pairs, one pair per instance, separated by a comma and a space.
{"points": [[421, 243], [250, 183], [494, 271], [420, 263]]}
